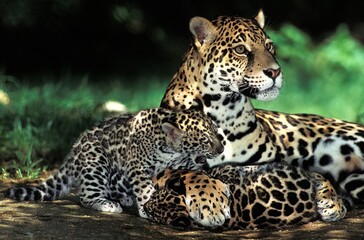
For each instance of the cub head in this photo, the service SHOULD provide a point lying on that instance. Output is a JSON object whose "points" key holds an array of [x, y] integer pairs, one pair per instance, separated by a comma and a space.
{"points": [[193, 133], [237, 56]]}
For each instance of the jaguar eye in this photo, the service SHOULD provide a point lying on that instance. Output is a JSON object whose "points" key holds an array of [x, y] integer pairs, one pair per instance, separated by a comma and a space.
{"points": [[269, 46], [240, 49]]}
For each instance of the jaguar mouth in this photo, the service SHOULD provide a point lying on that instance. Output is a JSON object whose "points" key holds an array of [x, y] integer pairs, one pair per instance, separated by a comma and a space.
{"points": [[266, 94]]}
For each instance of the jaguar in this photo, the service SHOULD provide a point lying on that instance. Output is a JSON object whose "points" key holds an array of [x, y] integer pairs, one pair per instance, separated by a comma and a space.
{"points": [[232, 60], [114, 162], [271, 195]]}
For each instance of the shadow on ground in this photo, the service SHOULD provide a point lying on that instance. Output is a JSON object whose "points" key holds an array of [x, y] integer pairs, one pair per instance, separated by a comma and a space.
{"points": [[66, 219]]}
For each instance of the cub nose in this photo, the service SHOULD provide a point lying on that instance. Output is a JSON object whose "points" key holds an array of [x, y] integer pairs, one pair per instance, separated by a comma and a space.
{"points": [[272, 73]]}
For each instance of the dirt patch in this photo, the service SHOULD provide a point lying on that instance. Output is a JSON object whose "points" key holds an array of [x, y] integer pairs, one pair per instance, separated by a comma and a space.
{"points": [[66, 219]]}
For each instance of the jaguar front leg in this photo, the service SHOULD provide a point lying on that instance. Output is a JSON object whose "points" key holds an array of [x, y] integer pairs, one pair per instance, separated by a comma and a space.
{"points": [[141, 184], [95, 191]]}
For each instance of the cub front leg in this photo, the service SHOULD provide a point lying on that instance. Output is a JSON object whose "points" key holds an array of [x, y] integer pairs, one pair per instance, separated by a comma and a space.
{"points": [[142, 187]]}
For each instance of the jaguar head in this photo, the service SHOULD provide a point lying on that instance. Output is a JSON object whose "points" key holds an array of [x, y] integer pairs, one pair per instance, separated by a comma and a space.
{"points": [[237, 56]]}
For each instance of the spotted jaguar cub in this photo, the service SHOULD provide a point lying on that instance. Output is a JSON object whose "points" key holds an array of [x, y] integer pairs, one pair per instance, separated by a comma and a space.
{"points": [[234, 197], [118, 157]]}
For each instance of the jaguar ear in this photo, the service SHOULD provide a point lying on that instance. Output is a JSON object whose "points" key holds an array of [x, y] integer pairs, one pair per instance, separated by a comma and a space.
{"points": [[203, 30], [174, 134], [260, 18]]}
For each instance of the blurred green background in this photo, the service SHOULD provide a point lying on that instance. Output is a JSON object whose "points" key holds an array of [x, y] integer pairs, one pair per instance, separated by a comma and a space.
{"points": [[61, 60]]}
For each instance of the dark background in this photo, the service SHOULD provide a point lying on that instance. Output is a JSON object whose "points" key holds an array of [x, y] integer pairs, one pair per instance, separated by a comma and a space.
{"points": [[126, 37]]}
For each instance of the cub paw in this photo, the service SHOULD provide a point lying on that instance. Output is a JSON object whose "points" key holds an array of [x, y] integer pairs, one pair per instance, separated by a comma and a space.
{"points": [[103, 205]]}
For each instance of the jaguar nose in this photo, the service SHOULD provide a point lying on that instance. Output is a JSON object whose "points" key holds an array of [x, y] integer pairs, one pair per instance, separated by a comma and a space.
{"points": [[272, 73]]}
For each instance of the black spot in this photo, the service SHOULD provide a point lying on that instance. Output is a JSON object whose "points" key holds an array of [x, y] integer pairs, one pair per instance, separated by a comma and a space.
{"points": [[50, 183], [290, 151], [291, 186], [252, 126], [275, 181], [282, 174], [276, 205], [244, 201], [292, 198], [278, 195], [309, 205], [302, 145], [274, 213], [37, 196], [207, 98], [266, 183], [294, 162], [346, 149], [303, 196], [18, 192], [258, 154], [287, 210], [305, 184], [352, 185], [290, 136], [257, 210], [325, 160], [300, 207], [252, 196], [307, 163], [246, 215], [328, 141]]}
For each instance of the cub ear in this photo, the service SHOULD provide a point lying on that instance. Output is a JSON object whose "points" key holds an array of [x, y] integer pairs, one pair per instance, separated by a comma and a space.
{"points": [[174, 134], [260, 18], [203, 30]]}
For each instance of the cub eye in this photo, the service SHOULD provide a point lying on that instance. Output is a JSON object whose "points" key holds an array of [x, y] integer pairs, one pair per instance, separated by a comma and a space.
{"points": [[240, 50]]}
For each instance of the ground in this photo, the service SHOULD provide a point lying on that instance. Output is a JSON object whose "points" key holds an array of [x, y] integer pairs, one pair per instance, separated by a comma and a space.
{"points": [[67, 219]]}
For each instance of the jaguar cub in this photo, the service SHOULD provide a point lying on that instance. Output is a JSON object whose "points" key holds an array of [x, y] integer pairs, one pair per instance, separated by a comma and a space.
{"points": [[235, 197], [118, 157]]}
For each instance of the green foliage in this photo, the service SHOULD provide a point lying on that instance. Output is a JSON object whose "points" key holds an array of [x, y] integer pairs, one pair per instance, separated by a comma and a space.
{"points": [[324, 78], [43, 120], [20, 141]]}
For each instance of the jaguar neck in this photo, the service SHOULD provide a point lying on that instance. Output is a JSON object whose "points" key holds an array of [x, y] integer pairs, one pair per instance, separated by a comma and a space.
{"points": [[232, 112]]}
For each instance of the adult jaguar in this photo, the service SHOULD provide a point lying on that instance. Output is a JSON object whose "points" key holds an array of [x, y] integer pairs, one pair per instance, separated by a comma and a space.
{"points": [[272, 195], [231, 60], [118, 158]]}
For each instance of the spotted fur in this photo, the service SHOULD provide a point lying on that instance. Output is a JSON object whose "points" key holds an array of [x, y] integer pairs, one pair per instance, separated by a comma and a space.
{"points": [[231, 60], [273, 195], [117, 158]]}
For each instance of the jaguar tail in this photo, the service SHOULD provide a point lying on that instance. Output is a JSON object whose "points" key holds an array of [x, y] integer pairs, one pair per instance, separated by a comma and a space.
{"points": [[54, 187]]}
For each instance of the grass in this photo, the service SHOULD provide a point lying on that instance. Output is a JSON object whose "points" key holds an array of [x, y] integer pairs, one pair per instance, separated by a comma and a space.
{"points": [[44, 117], [42, 121]]}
